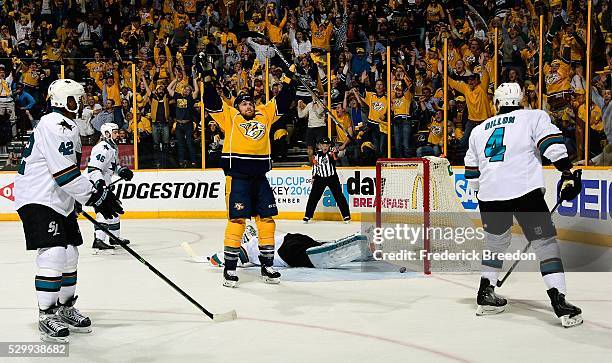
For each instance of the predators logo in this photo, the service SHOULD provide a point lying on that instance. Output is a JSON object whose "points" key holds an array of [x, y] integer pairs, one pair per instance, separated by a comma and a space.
{"points": [[378, 106], [253, 129], [552, 78]]}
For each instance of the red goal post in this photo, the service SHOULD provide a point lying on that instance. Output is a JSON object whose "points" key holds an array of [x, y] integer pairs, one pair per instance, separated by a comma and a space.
{"points": [[420, 193]]}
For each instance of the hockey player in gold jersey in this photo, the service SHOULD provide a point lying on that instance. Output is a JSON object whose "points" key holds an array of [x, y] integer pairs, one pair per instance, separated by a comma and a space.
{"points": [[245, 159]]}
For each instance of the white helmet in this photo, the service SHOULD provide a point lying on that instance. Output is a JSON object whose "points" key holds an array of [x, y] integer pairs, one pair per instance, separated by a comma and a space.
{"points": [[108, 127], [507, 94], [61, 89]]}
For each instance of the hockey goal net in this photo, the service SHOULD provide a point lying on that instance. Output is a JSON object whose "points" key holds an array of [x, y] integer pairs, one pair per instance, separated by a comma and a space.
{"points": [[417, 198]]}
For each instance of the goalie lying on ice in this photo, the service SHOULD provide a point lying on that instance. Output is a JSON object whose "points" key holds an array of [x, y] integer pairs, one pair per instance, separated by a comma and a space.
{"points": [[300, 250]]}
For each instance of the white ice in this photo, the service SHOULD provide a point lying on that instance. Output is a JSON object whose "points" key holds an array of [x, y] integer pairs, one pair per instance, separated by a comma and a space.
{"points": [[356, 314]]}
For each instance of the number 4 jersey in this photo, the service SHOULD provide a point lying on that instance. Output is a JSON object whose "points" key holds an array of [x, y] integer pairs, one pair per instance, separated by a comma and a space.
{"points": [[504, 153], [49, 171]]}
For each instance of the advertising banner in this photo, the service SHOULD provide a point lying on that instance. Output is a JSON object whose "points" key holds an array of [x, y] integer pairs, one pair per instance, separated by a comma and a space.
{"points": [[204, 192]]}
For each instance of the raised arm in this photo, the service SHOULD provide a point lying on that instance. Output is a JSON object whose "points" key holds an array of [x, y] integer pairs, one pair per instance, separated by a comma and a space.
{"points": [[147, 88], [196, 88], [172, 87]]}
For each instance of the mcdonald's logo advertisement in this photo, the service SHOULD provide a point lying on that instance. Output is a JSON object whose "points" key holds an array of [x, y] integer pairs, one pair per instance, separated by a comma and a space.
{"points": [[7, 192]]}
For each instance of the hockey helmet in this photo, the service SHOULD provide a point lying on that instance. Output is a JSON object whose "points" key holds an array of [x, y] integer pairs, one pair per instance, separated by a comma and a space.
{"points": [[108, 127], [60, 90], [508, 94]]}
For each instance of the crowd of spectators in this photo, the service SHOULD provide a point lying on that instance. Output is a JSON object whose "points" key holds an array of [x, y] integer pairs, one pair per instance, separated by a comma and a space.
{"points": [[169, 41]]}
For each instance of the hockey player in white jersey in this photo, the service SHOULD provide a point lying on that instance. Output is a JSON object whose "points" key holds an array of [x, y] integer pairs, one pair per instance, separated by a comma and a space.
{"points": [[103, 164], [47, 187], [504, 164], [300, 250]]}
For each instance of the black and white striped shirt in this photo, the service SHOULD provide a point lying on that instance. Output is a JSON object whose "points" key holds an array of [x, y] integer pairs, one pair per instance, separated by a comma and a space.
{"points": [[324, 164]]}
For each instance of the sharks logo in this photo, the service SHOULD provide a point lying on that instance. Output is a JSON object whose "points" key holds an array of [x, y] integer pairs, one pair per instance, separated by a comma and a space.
{"points": [[253, 129], [65, 125]]}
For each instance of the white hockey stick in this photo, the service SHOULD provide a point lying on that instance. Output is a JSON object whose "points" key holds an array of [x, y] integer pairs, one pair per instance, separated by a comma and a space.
{"points": [[194, 257]]}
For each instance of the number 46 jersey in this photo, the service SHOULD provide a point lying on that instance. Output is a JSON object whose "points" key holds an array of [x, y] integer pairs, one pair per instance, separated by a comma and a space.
{"points": [[49, 171], [503, 160], [104, 162]]}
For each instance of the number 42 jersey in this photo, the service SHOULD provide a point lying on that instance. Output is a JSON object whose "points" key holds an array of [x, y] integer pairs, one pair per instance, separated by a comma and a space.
{"points": [[49, 172], [503, 160]]}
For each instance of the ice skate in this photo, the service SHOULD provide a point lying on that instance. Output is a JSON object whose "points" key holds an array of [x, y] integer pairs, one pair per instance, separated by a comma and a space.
{"points": [[269, 275], [488, 302], [101, 248], [230, 278], [51, 327], [73, 318], [569, 314]]}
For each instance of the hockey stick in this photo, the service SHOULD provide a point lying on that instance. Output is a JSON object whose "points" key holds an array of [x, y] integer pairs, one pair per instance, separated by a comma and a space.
{"points": [[113, 183], [230, 315], [252, 34], [194, 257], [501, 282]]}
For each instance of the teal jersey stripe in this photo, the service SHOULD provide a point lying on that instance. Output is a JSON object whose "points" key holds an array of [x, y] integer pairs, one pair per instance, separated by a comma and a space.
{"points": [[114, 226], [69, 281], [472, 174], [51, 285], [551, 266], [553, 140], [67, 177], [495, 263]]}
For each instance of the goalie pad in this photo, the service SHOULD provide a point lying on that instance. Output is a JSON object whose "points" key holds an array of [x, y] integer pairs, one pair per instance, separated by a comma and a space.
{"points": [[218, 259], [336, 253]]}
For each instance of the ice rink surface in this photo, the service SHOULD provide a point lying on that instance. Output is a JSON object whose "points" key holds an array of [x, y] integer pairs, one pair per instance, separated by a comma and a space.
{"points": [[359, 313]]}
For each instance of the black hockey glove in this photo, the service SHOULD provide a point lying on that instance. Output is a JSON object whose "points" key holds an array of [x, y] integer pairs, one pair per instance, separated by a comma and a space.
{"points": [[78, 208], [570, 185], [125, 173], [104, 201]]}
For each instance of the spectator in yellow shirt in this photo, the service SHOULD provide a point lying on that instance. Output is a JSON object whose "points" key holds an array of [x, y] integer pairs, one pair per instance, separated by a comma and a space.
{"points": [[402, 109], [110, 88], [596, 128], [274, 28], [321, 34], [256, 24], [435, 138], [179, 16], [64, 31], [475, 94], [55, 51], [166, 27], [342, 140], [434, 12], [558, 84], [377, 120], [143, 126], [226, 35]]}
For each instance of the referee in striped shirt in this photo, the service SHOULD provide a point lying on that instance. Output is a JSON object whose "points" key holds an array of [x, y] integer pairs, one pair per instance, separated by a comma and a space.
{"points": [[324, 175]]}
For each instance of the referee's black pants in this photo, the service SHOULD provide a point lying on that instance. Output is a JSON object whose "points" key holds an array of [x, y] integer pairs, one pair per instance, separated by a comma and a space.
{"points": [[318, 187]]}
